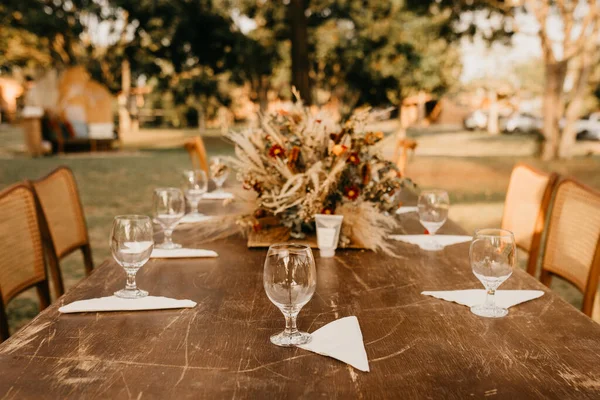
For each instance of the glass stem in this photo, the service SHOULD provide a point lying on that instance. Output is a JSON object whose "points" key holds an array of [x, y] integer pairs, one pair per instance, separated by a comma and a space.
{"points": [[168, 236], [194, 206], [290, 323], [131, 285], [490, 298]]}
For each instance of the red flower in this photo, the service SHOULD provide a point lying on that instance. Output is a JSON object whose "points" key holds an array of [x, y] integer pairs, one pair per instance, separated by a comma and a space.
{"points": [[257, 227], [352, 192], [353, 159], [426, 232], [276, 151], [327, 211]]}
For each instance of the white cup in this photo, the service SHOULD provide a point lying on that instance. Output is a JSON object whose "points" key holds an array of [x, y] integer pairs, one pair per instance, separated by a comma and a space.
{"points": [[328, 233]]}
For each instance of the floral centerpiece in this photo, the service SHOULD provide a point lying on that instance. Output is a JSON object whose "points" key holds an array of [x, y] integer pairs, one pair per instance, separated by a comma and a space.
{"points": [[301, 163]]}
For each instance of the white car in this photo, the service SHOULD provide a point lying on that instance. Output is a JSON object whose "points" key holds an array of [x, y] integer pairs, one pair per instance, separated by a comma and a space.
{"points": [[521, 122], [476, 120]]}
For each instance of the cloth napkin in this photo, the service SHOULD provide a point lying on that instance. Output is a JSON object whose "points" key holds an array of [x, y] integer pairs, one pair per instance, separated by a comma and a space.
{"points": [[217, 196], [473, 297], [182, 253], [342, 340], [423, 240], [194, 218], [114, 303], [406, 210]]}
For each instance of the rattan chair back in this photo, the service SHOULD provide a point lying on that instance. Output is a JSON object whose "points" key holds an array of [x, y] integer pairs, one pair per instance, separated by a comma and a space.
{"points": [[572, 248], [197, 152], [526, 209], [22, 264]]}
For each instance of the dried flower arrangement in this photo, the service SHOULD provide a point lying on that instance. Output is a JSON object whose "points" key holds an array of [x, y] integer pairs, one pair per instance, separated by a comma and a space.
{"points": [[301, 163]]}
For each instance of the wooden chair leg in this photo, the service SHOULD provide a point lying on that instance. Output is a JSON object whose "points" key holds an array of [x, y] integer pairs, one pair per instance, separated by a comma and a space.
{"points": [[546, 278], [87, 259], [4, 332], [44, 294], [54, 272]]}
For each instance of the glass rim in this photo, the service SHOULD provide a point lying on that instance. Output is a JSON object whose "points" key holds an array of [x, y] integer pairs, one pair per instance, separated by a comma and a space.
{"points": [[132, 217], [194, 170], [493, 232], [289, 246]]}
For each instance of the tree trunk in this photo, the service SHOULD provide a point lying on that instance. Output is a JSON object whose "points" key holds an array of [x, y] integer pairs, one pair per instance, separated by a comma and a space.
{"points": [[123, 99], [492, 123], [201, 115], [569, 134], [553, 107], [263, 91], [299, 39]]}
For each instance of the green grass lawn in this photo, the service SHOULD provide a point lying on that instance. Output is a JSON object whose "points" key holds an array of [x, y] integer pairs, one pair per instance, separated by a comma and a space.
{"points": [[122, 182]]}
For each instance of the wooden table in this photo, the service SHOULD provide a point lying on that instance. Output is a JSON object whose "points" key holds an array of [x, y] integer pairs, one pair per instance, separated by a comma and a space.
{"points": [[418, 346]]}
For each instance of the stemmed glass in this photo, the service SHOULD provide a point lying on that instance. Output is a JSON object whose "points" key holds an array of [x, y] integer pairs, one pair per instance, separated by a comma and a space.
{"points": [[219, 171], [290, 279], [168, 208], [493, 256], [433, 208], [131, 244], [194, 187]]}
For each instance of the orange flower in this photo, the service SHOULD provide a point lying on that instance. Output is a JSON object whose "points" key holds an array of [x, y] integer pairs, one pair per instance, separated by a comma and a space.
{"points": [[351, 192], [276, 151], [339, 149], [281, 111], [327, 211], [353, 159]]}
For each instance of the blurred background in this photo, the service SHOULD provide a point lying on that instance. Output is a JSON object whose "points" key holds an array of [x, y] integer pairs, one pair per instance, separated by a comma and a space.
{"points": [[113, 88]]}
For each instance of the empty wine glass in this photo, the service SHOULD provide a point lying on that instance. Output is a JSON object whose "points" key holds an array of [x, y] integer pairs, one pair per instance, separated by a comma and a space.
{"points": [[131, 244], [290, 279], [433, 211], [194, 187], [168, 208], [493, 256], [219, 171]]}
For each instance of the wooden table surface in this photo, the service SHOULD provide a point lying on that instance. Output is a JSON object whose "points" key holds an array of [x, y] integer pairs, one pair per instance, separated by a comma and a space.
{"points": [[418, 346]]}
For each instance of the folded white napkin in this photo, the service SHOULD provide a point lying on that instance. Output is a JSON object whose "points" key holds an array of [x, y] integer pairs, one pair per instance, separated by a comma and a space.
{"points": [[217, 196], [406, 210], [182, 253], [194, 218], [342, 340], [474, 297], [424, 241], [113, 303]]}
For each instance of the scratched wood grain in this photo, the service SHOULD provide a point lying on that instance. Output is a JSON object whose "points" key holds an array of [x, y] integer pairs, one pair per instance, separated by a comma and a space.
{"points": [[418, 347]]}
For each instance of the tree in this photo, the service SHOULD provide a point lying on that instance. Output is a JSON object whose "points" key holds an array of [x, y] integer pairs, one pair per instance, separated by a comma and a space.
{"points": [[573, 51]]}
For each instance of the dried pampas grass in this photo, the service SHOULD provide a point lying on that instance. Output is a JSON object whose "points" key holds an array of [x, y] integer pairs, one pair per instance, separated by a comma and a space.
{"points": [[367, 227]]}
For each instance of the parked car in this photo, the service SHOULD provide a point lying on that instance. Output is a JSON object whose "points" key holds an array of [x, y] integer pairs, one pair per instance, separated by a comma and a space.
{"points": [[523, 122], [476, 120], [588, 128]]}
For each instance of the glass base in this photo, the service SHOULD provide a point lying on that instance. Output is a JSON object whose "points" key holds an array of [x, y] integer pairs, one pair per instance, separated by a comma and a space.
{"points": [[168, 246], [489, 312], [131, 294], [290, 340]]}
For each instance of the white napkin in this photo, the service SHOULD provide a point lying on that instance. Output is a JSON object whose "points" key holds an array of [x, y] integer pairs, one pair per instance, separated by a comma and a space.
{"points": [[194, 218], [406, 210], [114, 303], [423, 240], [342, 340], [473, 297], [217, 196], [182, 253]]}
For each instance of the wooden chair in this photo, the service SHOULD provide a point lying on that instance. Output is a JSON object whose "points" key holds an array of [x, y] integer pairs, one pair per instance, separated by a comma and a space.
{"points": [[61, 207], [197, 152], [403, 146], [572, 249], [22, 264], [526, 208]]}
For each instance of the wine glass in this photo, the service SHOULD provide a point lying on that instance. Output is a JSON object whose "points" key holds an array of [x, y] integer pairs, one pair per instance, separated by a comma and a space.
{"points": [[493, 256], [131, 244], [433, 211], [219, 171], [290, 279], [194, 187], [169, 208]]}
